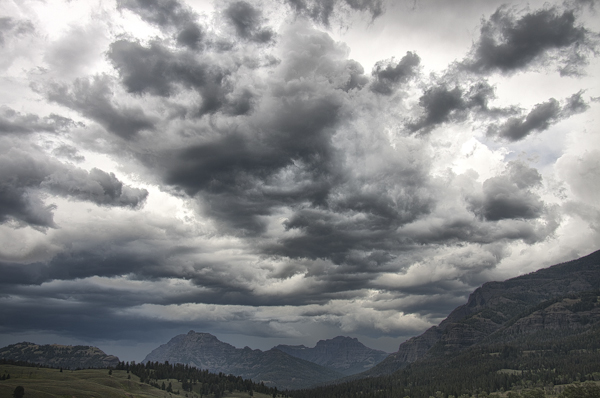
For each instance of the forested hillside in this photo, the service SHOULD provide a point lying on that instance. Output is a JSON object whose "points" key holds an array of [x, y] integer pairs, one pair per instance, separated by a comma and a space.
{"points": [[539, 330]]}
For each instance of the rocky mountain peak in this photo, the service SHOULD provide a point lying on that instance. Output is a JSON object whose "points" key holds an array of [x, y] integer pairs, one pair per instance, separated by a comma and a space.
{"points": [[273, 367], [345, 354]]}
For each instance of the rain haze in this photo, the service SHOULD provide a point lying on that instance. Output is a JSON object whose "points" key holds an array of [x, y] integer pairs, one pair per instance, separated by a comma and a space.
{"points": [[281, 172]]}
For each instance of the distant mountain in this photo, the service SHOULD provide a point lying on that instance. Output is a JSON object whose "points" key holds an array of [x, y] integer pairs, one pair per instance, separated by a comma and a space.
{"points": [[272, 367], [59, 356], [561, 297], [343, 354]]}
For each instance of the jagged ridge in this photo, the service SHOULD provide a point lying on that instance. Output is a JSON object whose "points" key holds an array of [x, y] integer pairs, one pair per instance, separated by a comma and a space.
{"points": [[505, 309], [272, 367], [344, 354]]}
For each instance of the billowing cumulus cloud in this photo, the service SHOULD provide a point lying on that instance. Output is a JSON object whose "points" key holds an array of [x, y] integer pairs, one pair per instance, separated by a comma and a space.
{"points": [[93, 98], [508, 196], [244, 170], [390, 74], [247, 22], [511, 41]]}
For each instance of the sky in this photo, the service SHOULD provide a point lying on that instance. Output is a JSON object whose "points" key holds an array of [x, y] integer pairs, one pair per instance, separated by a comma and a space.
{"points": [[281, 172]]}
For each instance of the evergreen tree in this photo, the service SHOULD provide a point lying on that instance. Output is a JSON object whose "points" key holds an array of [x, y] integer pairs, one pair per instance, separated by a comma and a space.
{"points": [[19, 392]]}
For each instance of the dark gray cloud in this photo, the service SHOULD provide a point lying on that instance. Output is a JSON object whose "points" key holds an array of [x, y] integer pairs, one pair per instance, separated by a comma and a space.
{"points": [[169, 15], [191, 36], [20, 174], [159, 71], [509, 196], [539, 119], [237, 173], [26, 174], [389, 74], [442, 103], [247, 21], [574, 104], [322, 11], [93, 98], [12, 27], [511, 41], [12, 122], [95, 186], [95, 320], [438, 104], [163, 13], [356, 228]]}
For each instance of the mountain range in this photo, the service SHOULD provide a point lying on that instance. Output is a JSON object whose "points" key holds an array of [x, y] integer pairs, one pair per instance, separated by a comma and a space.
{"points": [[284, 366], [343, 354]]}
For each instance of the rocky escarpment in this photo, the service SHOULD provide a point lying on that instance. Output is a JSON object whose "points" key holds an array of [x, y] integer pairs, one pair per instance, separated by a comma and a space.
{"points": [[344, 354], [59, 356], [507, 309], [272, 367]]}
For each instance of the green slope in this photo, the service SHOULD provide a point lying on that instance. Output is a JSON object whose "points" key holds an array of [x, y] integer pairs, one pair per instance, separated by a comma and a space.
{"points": [[96, 383]]}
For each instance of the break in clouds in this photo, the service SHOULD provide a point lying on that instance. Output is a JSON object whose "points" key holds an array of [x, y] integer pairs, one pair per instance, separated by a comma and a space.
{"points": [[236, 170]]}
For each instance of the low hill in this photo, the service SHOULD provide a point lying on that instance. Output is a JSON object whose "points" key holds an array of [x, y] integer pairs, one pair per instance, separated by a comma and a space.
{"points": [[272, 367], [97, 383], [59, 356], [343, 354]]}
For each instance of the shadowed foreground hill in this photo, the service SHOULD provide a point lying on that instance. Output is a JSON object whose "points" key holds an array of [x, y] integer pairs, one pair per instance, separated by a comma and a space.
{"points": [[272, 367], [49, 383], [59, 356]]}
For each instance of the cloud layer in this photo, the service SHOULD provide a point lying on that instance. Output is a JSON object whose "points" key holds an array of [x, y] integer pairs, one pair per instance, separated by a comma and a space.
{"points": [[236, 171]]}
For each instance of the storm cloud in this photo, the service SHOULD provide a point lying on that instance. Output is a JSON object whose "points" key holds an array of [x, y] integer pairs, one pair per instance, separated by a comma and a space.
{"points": [[510, 41], [94, 99], [233, 168], [27, 175], [390, 74]]}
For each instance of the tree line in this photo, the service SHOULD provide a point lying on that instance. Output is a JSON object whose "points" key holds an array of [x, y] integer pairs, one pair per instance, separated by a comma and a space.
{"points": [[193, 379]]}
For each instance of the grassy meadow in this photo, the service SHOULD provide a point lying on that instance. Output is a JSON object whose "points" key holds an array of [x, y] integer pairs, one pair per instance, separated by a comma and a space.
{"points": [[96, 383]]}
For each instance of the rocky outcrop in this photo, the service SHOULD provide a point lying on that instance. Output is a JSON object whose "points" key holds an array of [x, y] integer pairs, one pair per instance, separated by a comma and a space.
{"points": [[59, 356], [273, 367], [509, 308], [343, 354]]}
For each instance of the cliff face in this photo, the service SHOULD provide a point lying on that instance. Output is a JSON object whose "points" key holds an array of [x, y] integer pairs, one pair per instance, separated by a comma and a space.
{"points": [[59, 356], [343, 354], [499, 310], [273, 367]]}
